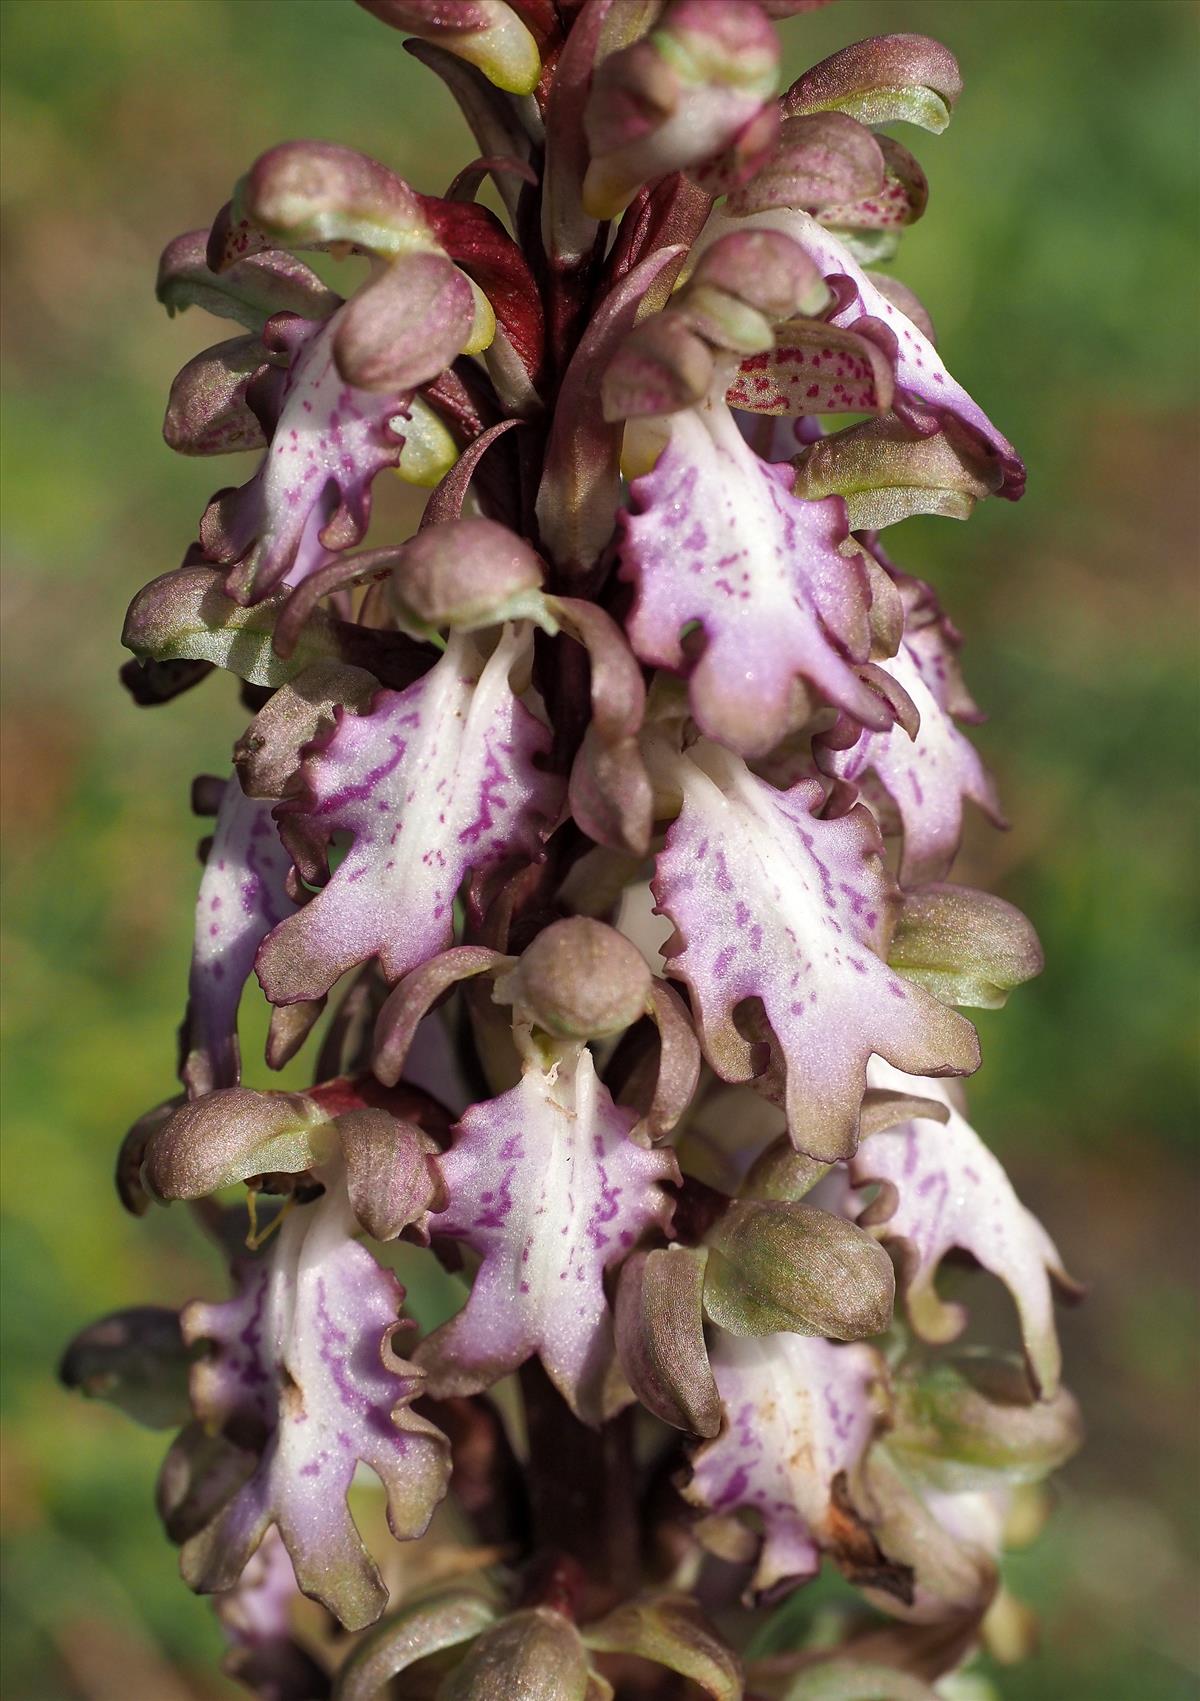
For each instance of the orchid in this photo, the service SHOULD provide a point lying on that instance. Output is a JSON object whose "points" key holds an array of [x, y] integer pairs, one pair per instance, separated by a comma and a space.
{"points": [[596, 841]]}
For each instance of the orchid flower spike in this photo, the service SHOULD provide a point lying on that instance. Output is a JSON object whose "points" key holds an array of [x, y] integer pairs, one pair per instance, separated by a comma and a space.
{"points": [[595, 845]]}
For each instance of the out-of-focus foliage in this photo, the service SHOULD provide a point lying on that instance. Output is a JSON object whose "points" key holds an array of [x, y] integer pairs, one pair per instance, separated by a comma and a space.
{"points": [[1057, 260]]}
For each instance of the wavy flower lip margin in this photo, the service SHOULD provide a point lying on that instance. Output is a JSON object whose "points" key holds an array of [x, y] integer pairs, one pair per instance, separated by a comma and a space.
{"points": [[594, 843]]}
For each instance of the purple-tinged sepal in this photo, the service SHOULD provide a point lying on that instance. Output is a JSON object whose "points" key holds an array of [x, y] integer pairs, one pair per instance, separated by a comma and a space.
{"points": [[670, 1631], [243, 895], [207, 411], [822, 159], [301, 1362], [434, 781], [660, 1337], [800, 1415], [695, 94], [136, 1360], [250, 290], [886, 79], [940, 1187], [487, 34], [428, 1626], [547, 1185], [770, 902]]}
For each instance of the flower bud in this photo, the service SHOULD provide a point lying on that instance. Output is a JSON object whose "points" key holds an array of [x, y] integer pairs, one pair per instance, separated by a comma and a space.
{"points": [[486, 33], [883, 80], [964, 1424], [966, 947], [775, 1266], [578, 980], [680, 98], [535, 1653], [465, 574]]}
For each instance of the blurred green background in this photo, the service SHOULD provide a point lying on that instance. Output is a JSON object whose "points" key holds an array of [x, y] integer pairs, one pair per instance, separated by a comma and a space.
{"points": [[1058, 260]]}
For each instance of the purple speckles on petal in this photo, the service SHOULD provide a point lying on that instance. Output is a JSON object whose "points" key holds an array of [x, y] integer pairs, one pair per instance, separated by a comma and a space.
{"points": [[803, 1415], [580, 1193], [814, 887], [801, 606], [470, 744]]}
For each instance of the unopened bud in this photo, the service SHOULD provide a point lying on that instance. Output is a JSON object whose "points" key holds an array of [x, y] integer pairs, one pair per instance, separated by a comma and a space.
{"points": [[579, 980], [775, 1266]]}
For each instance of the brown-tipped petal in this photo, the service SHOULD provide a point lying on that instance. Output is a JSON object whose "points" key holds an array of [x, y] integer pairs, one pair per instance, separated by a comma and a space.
{"points": [[414, 996], [660, 1337], [200, 1473], [882, 80], [775, 1266], [232, 1134], [406, 326], [268, 754], [207, 412], [671, 1631], [136, 1360], [443, 1620], [822, 159], [580, 979], [883, 1109], [290, 1026], [886, 472], [966, 947], [465, 573], [678, 1061]]}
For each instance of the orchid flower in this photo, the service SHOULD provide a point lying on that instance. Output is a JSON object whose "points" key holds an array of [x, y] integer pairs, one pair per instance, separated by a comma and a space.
{"points": [[594, 846]]}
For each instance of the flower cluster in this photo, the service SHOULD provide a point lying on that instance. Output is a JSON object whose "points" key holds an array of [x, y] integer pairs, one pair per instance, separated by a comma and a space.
{"points": [[606, 825]]}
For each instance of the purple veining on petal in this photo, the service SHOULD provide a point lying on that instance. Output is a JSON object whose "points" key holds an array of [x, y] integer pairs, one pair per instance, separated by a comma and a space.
{"points": [[546, 1185], [457, 790], [927, 777], [312, 492], [761, 572], [820, 894], [952, 1192], [242, 897], [798, 1411], [296, 1355]]}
